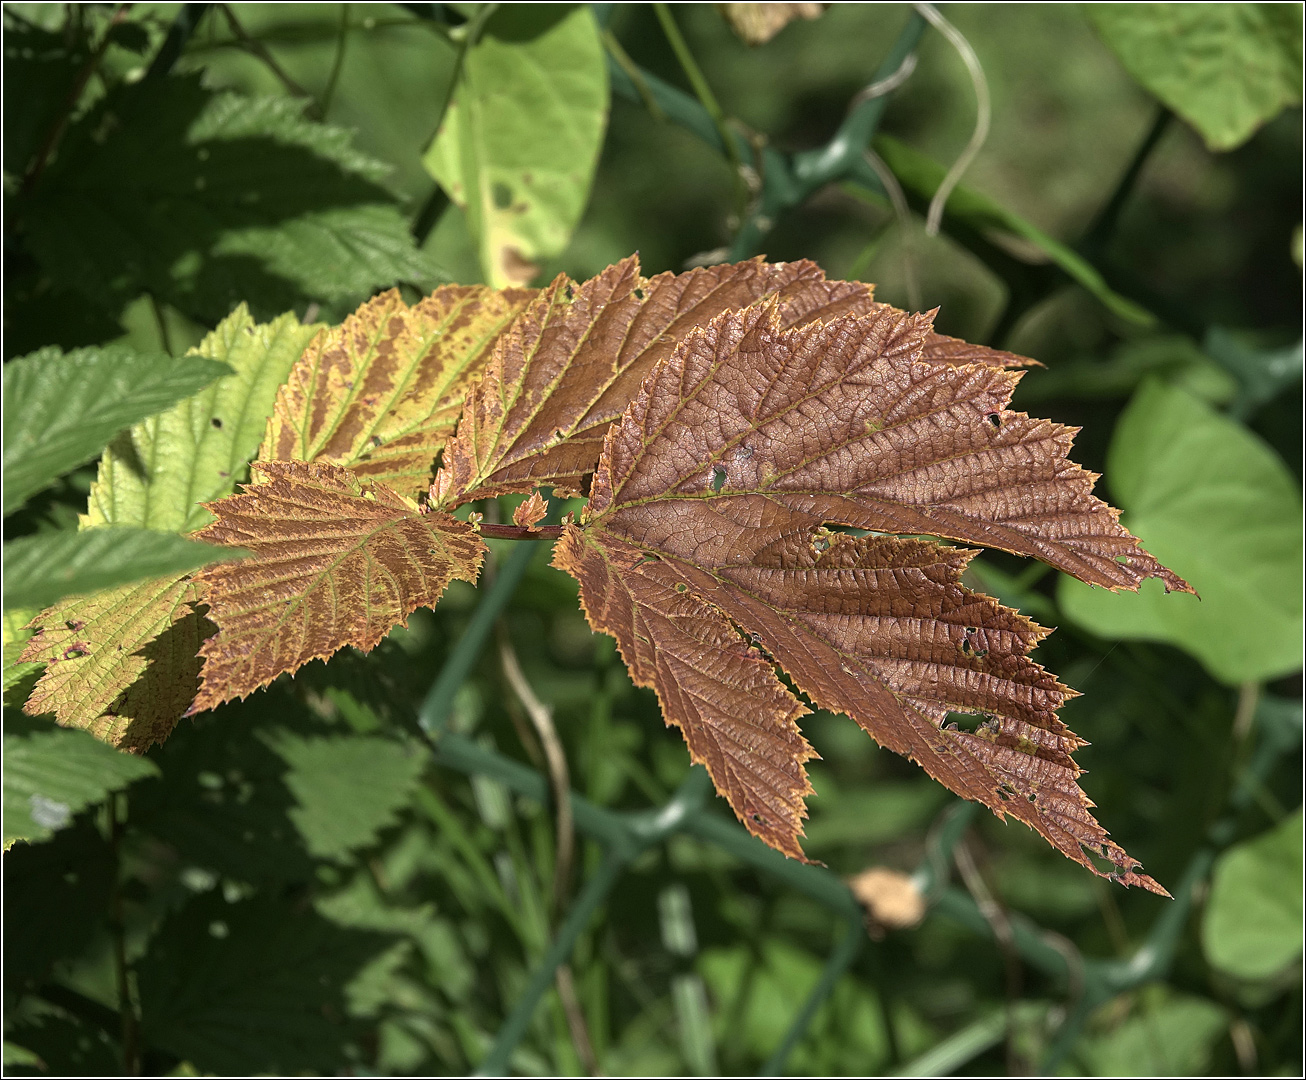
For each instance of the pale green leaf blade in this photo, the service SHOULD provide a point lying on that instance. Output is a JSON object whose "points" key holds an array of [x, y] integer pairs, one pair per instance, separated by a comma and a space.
{"points": [[157, 475], [46, 567], [16, 635], [1169, 1034], [1252, 927], [347, 788], [1224, 68], [519, 146], [51, 774], [61, 410], [1211, 500]]}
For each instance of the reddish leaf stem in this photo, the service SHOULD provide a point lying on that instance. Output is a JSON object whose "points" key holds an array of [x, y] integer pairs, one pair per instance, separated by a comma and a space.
{"points": [[520, 532]]}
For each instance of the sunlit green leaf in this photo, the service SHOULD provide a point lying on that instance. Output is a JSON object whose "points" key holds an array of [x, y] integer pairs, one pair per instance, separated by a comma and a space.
{"points": [[1213, 502], [520, 142], [60, 411], [44, 568], [1225, 68]]}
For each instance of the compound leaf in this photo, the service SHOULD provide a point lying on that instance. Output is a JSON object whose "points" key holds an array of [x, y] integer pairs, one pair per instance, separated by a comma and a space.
{"points": [[49, 566], [157, 475], [53, 774], [60, 411], [121, 663], [337, 561], [382, 392], [718, 485]]}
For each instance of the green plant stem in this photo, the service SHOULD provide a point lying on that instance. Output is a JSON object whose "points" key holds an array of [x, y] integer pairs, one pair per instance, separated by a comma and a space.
{"points": [[38, 163], [257, 49], [708, 101], [1098, 235], [434, 713], [342, 39], [183, 27], [129, 1026], [841, 959], [587, 902]]}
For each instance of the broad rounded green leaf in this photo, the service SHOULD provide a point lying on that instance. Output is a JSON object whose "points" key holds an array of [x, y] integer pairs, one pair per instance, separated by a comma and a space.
{"points": [[1168, 1035], [46, 567], [60, 411], [1225, 68], [1212, 501], [1253, 923], [519, 144], [51, 774]]}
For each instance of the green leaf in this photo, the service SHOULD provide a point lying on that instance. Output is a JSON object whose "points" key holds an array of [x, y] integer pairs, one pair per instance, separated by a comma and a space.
{"points": [[52, 774], [55, 897], [40, 68], [1225, 68], [1260, 372], [16, 635], [1213, 502], [156, 475], [60, 411], [208, 199], [1168, 1035], [44, 568], [520, 142], [921, 176], [347, 788], [254, 987], [1252, 928]]}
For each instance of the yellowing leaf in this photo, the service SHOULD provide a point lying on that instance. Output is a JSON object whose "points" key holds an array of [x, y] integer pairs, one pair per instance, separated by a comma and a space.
{"points": [[718, 485], [157, 475], [337, 561], [121, 663], [382, 392]]}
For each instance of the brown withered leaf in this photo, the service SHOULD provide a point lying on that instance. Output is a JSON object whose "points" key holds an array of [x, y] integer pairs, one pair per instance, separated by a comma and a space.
{"points": [[531, 512], [736, 716], [121, 664], [751, 430], [750, 439], [574, 359], [337, 561], [381, 392]]}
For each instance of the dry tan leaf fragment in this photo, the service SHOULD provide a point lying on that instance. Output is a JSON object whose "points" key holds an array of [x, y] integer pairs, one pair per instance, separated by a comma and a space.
{"points": [[381, 392], [336, 561], [890, 897], [756, 24]]}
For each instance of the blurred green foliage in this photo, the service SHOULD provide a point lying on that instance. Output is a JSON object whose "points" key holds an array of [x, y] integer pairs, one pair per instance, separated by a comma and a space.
{"points": [[294, 883]]}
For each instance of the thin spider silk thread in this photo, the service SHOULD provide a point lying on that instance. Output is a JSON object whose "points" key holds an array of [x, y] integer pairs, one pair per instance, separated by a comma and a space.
{"points": [[983, 114]]}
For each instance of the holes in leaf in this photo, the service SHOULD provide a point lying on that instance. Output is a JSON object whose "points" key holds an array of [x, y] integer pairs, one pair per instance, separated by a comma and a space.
{"points": [[1123, 560], [74, 651], [995, 419], [638, 293], [568, 293], [760, 819], [216, 423], [74, 624], [718, 480], [681, 587]]}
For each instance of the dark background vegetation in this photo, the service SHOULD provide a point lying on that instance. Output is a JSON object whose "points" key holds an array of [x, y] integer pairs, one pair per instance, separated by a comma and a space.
{"points": [[412, 940]]}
